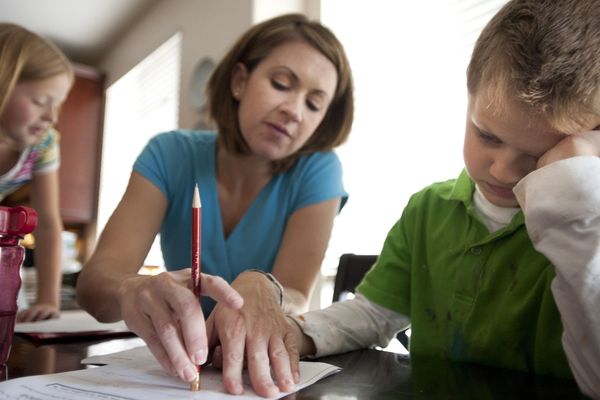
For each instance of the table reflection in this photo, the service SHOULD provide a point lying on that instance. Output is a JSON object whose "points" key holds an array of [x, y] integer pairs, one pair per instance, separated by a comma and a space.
{"points": [[28, 357], [366, 374], [372, 374]]}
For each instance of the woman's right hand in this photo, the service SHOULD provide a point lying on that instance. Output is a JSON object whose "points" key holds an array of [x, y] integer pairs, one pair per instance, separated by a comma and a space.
{"points": [[164, 312]]}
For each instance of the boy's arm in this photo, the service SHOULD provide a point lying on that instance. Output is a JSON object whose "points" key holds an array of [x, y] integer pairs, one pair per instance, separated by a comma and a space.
{"points": [[561, 203], [349, 325]]}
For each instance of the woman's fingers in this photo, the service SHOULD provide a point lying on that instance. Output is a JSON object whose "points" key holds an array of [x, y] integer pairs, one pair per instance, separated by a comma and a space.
{"points": [[281, 365], [293, 351], [144, 328], [232, 335], [162, 311], [218, 289], [259, 369], [182, 331], [189, 315]]}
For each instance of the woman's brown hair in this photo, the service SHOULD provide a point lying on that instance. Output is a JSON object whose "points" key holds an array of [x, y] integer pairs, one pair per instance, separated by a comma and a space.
{"points": [[254, 46]]}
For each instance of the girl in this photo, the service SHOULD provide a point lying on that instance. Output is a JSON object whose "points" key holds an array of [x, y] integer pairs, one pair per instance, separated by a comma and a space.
{"points": [[35, 78]]}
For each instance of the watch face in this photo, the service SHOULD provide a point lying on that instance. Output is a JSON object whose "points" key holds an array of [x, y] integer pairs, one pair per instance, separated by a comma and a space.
{"points": [[199, 79]]}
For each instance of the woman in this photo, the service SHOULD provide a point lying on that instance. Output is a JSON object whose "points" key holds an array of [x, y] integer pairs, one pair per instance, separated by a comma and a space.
{"points": [[282, 99]]}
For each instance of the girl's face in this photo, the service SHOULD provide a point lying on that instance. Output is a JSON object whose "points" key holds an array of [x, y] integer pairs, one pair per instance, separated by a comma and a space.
{"points": [[284, 99], [33, 108]]}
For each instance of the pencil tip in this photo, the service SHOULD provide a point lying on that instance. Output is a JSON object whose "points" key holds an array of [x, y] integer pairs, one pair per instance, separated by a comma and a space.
{"points": [[195, 384], [196, 202]]}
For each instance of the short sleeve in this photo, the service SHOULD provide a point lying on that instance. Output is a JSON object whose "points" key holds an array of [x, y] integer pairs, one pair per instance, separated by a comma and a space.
{"points": [[318, 178], [48, 153], [388, 282], [153, 161]]}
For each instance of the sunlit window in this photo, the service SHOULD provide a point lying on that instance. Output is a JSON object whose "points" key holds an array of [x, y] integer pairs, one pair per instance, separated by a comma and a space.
{"points": [[141, 104]]}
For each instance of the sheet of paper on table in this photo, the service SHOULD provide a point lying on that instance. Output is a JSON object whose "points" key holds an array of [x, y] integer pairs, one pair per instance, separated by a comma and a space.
{"points": [[71, 323], [135, 374]]}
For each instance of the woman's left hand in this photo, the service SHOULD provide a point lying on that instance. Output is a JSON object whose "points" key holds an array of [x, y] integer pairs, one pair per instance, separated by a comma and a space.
{"points": [[258, 335], [38, 312]]}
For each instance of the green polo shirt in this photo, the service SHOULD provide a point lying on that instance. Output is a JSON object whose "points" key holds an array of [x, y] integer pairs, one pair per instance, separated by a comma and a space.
{"points": [[471, 295]]}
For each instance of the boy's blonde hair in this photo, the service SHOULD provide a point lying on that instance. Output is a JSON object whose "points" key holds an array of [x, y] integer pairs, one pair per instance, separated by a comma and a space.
{"points": [[254, 46], [545, 54], [25, 57]]}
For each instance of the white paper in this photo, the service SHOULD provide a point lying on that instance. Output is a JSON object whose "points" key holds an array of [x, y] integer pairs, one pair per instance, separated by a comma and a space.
{"points": [[70, 321], [135, 374]]}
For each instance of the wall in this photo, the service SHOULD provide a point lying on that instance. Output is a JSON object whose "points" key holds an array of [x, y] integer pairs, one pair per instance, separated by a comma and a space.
{"points": [[209, 27]]}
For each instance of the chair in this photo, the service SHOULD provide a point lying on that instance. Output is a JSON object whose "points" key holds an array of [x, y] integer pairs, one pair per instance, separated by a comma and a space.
{"points": [[351, 269]]}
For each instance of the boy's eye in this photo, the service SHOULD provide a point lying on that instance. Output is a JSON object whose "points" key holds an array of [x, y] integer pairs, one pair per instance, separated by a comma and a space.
{"points": [[486, 137]]}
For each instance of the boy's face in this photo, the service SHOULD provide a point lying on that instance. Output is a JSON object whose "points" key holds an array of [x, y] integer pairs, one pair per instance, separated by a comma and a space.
{"points": [[500, 148]]}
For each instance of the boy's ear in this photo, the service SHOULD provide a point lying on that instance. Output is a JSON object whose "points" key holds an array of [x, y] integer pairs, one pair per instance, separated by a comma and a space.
{"points": [[239, 77]]}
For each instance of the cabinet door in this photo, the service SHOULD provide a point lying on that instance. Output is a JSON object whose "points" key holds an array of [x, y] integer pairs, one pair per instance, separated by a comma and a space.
{"points": [[80, 126]]}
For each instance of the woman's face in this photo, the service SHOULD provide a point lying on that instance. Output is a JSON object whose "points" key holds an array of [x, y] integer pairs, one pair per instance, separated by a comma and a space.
{"points": [[284, 99], [33, 108]]}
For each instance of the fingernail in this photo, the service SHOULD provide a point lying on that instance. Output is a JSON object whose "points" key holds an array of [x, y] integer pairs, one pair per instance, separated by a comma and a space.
{"points": [[237, 387], [200, 357], [296, 377], [189, 373], [289, 382]]}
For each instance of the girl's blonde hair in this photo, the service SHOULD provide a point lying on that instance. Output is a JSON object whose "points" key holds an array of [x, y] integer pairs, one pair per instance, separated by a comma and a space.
{"points": [[25, 57]]}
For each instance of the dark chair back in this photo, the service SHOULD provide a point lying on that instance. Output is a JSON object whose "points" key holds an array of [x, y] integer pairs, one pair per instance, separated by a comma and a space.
{"points": [[351, 269]]}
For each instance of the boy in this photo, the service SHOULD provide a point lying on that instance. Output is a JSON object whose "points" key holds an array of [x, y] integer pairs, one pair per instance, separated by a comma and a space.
{"points": [[502, 265]]}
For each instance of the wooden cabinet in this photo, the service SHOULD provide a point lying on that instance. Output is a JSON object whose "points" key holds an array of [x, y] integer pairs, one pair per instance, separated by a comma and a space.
{"points": [[80, 126]]}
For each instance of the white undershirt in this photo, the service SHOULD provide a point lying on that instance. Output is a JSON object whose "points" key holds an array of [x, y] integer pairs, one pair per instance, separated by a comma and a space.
{"points": [[492, 216]]}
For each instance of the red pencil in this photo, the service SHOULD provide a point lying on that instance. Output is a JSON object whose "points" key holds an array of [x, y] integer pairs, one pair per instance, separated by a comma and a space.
{"points": [[196, 241]]}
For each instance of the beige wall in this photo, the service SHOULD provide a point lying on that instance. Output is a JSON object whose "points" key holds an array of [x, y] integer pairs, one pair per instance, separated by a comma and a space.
{"points": [[209, 28]]}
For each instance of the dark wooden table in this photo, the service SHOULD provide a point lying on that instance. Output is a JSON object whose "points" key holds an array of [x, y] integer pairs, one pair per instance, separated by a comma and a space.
{"points": [[367, 374]]}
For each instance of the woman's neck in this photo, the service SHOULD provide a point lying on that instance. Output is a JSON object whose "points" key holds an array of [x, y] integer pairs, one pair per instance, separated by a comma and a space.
{"points": [[239, 171], [239, 180]]}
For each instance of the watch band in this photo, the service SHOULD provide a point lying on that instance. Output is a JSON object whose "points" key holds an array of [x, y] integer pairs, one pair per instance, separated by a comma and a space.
{"points": [[270, 277]]}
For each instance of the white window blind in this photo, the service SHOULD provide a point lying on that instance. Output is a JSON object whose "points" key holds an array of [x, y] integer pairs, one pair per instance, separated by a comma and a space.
{"points": [[142, 103]]}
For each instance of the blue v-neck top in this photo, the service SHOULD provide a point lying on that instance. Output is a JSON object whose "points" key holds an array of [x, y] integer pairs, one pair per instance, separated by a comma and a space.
{"points": [[175, 161]]}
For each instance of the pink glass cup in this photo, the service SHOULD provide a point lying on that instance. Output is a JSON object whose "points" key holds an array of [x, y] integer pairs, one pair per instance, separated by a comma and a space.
{"points": [[15, 222]]}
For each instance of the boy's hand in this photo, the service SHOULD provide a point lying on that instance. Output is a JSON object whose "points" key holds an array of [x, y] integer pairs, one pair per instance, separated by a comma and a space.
{"points": [[585, 144]]}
